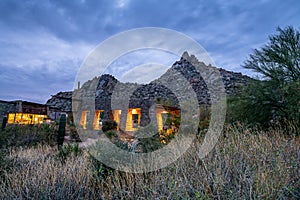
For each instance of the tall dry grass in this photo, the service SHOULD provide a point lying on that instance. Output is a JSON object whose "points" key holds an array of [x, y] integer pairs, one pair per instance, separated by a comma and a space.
{"points": [[245, 164]]}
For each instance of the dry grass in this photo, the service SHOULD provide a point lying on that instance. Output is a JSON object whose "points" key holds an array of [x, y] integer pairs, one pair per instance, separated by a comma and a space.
{"points": [[245, 164]]}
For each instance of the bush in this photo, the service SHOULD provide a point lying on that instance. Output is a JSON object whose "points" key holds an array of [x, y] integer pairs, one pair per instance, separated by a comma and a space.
{"points": [[109, 125], [111, 134], [68, 150], [28, 135]]}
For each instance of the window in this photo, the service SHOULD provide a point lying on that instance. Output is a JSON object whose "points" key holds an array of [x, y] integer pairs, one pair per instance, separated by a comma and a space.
{"points": [[97, 124], [84, 118], [117, 117], [135, 120], [25, 118]]}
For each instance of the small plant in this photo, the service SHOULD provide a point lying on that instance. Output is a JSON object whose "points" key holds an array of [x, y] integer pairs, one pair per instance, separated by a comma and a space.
{"points": [[70, 119], [67, 150], [74, 134], [99, 170]]}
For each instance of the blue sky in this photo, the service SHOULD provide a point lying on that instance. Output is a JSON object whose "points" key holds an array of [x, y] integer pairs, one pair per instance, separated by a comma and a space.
{"points": [[43, 43]]}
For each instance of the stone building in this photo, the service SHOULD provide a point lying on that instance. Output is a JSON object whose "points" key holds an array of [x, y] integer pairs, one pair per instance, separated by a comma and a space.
{"points": [[24, 112], [96, 97]]}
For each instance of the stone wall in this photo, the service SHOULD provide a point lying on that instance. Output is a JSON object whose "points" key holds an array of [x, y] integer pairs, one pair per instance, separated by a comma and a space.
{"points": [[105, 89]]}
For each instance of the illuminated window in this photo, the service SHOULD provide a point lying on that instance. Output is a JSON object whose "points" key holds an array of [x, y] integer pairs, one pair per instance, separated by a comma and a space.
{"points": [[11, 118], [84, 118], [167, 119], [97, 124], [25, 118], [117, 117], [133, 119]]}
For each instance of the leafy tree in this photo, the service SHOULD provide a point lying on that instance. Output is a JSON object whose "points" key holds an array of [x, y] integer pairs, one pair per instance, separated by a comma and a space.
{"points": [[276, 96]]}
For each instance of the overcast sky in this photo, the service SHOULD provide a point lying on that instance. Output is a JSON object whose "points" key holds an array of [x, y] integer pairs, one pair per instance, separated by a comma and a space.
{"points": [[43, 43]]}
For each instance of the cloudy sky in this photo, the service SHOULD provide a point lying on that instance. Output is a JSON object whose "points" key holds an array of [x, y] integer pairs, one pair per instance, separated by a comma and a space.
{"points": [[44, 43]]}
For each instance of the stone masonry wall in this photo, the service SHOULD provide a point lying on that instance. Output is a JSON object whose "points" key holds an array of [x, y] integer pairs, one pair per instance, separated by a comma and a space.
{"points": [[144, 96]]}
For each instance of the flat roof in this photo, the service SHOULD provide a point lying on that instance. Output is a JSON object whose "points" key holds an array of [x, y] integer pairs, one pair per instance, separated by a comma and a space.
{"points": [[25, 102]]}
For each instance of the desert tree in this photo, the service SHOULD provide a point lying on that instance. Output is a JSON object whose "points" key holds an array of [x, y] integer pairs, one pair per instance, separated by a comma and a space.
{"points": [[275, 95]]}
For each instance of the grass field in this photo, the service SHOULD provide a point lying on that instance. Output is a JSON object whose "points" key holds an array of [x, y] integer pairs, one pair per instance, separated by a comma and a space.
{"points": [[245, 164]]}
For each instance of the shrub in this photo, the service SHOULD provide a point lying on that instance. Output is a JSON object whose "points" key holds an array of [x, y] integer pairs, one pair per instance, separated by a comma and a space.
{"points": [[68, 150], [109, 125], [111, 134], [28, 135]]}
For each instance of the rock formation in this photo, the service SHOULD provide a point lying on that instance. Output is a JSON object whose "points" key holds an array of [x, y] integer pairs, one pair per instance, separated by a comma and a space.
{"points": [[61, 101], [145, 95]]}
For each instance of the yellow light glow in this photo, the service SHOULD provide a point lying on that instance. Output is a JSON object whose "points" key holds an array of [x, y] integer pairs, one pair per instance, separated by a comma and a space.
{"points": [[133, 119], [83, 119], [25, 118], [97, 120], [117, 117], [11, 118]]}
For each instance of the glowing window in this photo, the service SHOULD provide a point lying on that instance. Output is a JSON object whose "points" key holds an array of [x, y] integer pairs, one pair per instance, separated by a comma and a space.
{"points": [[11, 118], [84, 118], [25, 118], [98, 119], [133, 119]]}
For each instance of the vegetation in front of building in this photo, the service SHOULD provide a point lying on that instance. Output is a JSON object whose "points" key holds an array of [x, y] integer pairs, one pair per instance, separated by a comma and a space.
{"points": [[245, 164]]}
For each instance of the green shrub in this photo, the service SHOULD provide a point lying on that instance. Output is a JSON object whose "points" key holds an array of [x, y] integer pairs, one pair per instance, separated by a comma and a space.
{"points": [[109, 125], [68, 150], [99, 170], [28, 135], [111, 134]]}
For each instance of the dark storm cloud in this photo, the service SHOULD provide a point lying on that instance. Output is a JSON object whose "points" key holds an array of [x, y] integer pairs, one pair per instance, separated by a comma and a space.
{"points": [[43, 43], [33, 84]]}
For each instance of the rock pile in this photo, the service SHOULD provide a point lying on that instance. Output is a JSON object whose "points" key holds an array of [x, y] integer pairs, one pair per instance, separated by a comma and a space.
{"points": [[61, 101]]}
